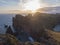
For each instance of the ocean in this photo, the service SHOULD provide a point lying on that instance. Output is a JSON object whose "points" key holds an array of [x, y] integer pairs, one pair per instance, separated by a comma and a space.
{"points": [[5, 19]]}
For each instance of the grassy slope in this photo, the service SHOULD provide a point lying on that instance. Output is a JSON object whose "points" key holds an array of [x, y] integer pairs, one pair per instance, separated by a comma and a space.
{"points": [[55, 35]]}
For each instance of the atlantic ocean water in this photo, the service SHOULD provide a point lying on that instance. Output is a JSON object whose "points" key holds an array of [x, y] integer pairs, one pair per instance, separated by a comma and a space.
{"points": [[5, 19]]}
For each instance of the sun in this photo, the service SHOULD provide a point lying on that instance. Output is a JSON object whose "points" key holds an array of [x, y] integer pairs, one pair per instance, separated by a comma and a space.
{"points": [[32, 5]]}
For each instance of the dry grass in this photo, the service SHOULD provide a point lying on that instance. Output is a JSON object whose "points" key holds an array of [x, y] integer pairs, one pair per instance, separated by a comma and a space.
{"points": [[55, 35]]}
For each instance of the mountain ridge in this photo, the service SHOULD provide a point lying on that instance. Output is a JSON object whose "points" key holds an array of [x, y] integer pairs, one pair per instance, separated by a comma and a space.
{"points": [[52, 10]]}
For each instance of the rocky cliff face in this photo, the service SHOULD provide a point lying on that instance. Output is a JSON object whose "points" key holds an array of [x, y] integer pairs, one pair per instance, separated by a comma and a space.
{"points": [[35, 26], [21, 23], [28, 24], [35, 23]]}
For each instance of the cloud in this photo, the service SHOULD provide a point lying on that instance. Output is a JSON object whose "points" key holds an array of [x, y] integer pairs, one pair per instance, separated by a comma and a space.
{"points": [[9, 5], [18, 4], [51, 2], [8, 2], [43, 2]]}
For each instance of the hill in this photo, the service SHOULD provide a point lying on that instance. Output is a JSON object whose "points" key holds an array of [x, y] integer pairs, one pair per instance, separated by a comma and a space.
{"points": [[55, 35], [52, 10]]}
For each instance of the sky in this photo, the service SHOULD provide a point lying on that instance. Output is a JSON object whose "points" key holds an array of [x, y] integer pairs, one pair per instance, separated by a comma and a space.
{"points": [[18, 4]]}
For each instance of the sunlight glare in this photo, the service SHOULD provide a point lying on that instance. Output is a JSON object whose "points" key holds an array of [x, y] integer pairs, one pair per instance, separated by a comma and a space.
{"points": [[32, 5]]}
